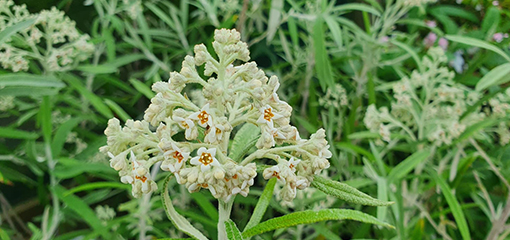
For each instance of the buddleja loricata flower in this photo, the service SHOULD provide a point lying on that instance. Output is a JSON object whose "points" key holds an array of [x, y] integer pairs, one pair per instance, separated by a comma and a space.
{"points": [[428, 105], [53, 40], [234, 96]]}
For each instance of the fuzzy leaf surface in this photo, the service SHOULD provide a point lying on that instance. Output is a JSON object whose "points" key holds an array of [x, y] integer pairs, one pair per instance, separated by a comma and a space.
{"points": [[346, 192], [311, 216]]}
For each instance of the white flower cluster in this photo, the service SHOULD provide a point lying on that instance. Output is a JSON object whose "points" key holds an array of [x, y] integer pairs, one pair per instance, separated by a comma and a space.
{"points": [[233, 96], [500, 109], [132, 7], [53, 40], [428, 105], [335, 97]]}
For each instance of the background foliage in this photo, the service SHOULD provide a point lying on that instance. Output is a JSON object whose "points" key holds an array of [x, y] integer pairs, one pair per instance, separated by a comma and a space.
{"points": [[334, 59]]}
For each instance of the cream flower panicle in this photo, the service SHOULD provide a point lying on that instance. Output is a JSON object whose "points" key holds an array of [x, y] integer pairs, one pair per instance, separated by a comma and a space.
{"points": [[237, 99]]}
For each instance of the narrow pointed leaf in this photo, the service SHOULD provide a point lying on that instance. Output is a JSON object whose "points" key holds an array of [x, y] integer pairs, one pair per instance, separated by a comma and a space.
{"points": [[262, 204], [233, 232], [11, 30], [83, 210], [498, 75], [178, 220], [477, 43], [311, 216], [322, 63], [141, 87], [346, 192], [406, 166], [454, 205], [274, 18]]}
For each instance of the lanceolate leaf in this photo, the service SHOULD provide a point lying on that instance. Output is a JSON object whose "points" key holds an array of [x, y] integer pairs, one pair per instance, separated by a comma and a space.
{"points": [[311, 216], [406, 166], [322, 63], [346, 192], [9, 31], [83, 210], [454, 205], [233, 232], [262, 204], [477, 43], [179, 221], [498, 75], [245, 139]]}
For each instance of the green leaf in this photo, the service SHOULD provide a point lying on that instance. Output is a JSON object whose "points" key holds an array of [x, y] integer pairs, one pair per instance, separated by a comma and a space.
{"points": [[117, 110], [406, 166], [126, 59], [475, 128], [453, 203], [233, 232], [411, 52], [477, 43], [68, 168], [45, 117], [97, 69], [311, 216], [83, 210], [322, 63], [206, 205], [244, 140], [491, 21], [179, 221], [29, 80], [356, 6], [142, 88], [274, 18], [17, 134], [262, 204], [334, 27], [61, 135], [498, 75], [28, 91], [96, 101], [346, 192], [4, 235], [363, 135], [97, 185], [455, 11], [11, 30]]}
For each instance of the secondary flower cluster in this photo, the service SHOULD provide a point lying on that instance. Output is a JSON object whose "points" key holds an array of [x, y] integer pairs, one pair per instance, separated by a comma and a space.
{"points": [[428, 105], [52, 39], [192, 138]]}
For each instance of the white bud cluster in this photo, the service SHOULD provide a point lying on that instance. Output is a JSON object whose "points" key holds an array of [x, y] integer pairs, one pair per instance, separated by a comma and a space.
{"points": [[335, 97], [64, 47], [427, 104], [6, 103], [234, 95], [133, 8], [500, 109]]}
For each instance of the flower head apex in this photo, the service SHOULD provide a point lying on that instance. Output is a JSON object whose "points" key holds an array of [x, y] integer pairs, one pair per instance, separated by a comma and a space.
{"points": [[205, 159]]}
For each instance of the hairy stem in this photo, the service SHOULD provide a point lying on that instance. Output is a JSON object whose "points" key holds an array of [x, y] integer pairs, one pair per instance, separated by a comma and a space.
{"points": [[224, 209]]}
